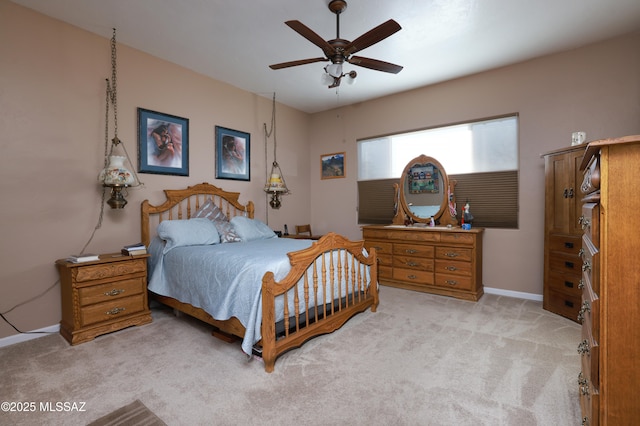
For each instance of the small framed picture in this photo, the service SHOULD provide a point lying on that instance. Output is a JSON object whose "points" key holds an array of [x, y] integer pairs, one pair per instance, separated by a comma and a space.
{"points": [[232, 154], [332, 166], [163, 143]]}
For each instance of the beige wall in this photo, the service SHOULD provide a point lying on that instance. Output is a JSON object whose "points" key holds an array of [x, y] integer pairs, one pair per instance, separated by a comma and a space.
{"points": [[52, 115], [595, 89], [52, 82]]}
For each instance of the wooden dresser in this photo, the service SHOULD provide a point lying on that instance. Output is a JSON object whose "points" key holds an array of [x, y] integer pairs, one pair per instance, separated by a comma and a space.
{"points": [[609, 380], [102, 296], [562, 233], [432, 260]]}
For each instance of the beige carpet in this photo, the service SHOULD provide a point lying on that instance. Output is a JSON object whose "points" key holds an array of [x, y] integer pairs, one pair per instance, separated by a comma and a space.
{"points": [[420, 360]]}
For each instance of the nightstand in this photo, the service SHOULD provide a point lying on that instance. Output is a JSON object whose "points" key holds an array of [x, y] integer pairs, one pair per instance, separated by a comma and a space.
{"points": [[102, 296]]}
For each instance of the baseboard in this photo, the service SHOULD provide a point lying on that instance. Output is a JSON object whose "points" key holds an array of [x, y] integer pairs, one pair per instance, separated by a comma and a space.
{"points": [[34, 334], [511, 293]]}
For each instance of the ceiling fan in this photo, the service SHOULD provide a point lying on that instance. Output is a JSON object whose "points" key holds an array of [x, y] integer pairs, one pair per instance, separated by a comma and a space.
{"points": [[339, 50]]}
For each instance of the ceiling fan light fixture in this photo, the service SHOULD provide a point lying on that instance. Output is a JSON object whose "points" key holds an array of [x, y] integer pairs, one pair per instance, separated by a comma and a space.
{"points": [[334, 70]]}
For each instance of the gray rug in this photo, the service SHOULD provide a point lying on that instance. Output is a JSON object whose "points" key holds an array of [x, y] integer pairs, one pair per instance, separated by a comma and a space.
{"points": [[134, 414]]}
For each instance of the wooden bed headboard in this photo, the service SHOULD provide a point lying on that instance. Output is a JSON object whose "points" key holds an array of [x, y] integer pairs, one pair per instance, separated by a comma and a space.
{"points": [[184, 203]]}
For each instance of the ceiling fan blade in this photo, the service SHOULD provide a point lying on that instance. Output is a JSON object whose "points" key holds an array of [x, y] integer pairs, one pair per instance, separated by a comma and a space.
{"points": [[375, 64], [296, 63], [373, 36], [314, 38]]}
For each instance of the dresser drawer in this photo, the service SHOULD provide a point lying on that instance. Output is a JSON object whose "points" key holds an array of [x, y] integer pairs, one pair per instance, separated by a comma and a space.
{"points": [[567, 244], [565, 283], [590, 262], [382, 248], [452, 267], [564, 304], [413, 250], [589, 403], [385, 272], [111, 310], [110, 291], [590, 222], [454, 253], [565, 263], [412, 262], [110, 270], [454, 281], [457, 238], [589, 355], [413, 276]]}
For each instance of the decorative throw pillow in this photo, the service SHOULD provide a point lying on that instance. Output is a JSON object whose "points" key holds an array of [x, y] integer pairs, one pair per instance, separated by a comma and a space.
{"points": [[226, 231], [251, 229], [190, 232], [212, 212]]}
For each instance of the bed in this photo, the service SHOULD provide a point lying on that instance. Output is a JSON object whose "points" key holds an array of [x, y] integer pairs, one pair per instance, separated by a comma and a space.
{"points": [[273, 293]]}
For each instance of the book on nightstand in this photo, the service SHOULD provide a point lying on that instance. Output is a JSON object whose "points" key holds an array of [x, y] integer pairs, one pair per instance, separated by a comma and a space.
{"points": [[134, 249], [79, 258]]}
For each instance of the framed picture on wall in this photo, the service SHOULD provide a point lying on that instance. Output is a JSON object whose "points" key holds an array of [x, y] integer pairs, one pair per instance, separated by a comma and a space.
{"points": [[232, 154], [332, 165], [163, 143]]}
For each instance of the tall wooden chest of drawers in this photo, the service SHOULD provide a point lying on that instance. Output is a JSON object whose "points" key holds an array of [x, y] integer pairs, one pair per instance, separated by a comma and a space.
{"points": [[609, 380], [102, 296], [432, 260], [562, 233]]}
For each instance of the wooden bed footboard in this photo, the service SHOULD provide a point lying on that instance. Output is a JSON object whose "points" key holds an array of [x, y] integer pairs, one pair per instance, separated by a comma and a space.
{"points": [[333, 269]]}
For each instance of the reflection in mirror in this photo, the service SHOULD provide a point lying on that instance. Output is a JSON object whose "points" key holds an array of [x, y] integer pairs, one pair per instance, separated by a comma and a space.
{"points": [[423, 193]]}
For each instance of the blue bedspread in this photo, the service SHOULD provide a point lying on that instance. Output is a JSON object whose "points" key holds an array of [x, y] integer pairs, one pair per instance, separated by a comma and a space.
{"points": [[225, 280]]}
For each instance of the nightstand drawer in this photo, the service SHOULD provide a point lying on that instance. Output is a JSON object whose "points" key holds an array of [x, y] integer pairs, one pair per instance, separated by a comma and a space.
{"points": [[111, 310], [110, 270], [110, 291]]}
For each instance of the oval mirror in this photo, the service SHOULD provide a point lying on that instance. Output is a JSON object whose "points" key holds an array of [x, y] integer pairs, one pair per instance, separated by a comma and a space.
{"points": [[424, 189]]}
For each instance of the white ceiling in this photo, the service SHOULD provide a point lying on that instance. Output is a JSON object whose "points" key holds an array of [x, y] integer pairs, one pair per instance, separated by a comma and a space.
{"points": [[236, 41]]}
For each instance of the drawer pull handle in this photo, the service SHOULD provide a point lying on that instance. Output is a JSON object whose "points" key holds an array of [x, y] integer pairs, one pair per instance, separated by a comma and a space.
{"points": [[568, 284], [585, 223], [450, 268], [586, 266], [583, 348], [115, 311], [568, 245], [583, 383], [452, 254], [569, 264], [410, 263], [586, 307], [411, 251], [412, 277], [114, 292], [451, 282]]}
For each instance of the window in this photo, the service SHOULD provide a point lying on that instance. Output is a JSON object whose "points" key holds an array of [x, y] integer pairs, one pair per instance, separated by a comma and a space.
{"points": [[481, 156]]}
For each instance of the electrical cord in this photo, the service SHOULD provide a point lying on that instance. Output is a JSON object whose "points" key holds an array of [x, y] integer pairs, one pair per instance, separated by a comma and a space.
{"points": [[2, 314]]}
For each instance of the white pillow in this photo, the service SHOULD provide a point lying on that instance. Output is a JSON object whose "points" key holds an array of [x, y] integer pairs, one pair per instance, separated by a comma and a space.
{"points": [[251, 229], [190, 232]]}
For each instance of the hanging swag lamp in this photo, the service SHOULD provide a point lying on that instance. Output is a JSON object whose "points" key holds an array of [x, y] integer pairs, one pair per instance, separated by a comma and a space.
{"points": [[118, 174], [276, 186]]}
